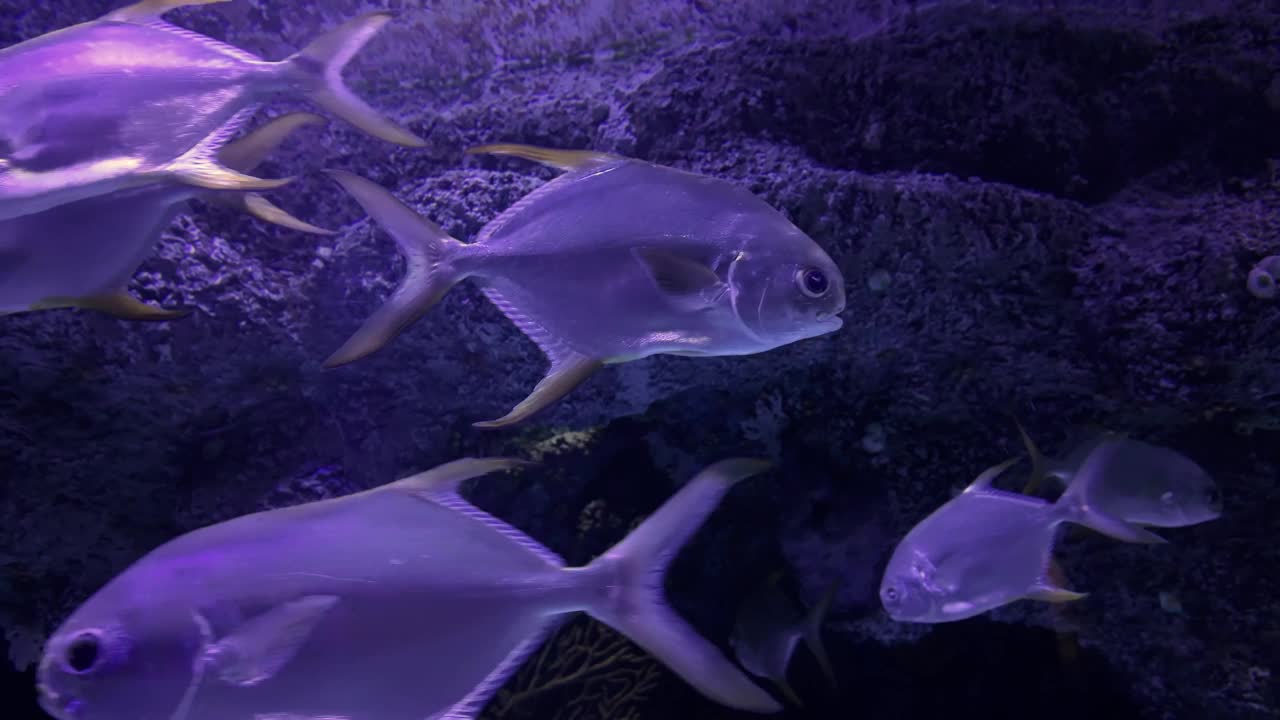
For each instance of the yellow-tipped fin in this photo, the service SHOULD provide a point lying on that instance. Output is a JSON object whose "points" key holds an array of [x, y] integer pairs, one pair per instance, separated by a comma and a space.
{"points": [[427, 278], [1051, 594], [1037, 461], [147, 9], [264, 210], [246, 153], [117, 304], [216, 177], [559, 159], [565, 375]]}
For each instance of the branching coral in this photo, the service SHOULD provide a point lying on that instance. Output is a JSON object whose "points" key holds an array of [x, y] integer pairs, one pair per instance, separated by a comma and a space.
{"points": [[586, 671]]}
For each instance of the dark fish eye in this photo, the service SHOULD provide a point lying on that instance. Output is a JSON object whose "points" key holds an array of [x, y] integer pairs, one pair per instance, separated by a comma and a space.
{"points": [[891, 595], [82, 654], [813, 282], [1212, 496]]}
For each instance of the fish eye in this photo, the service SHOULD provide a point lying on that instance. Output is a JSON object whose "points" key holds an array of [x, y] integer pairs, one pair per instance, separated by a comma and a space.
{"points": [[1212, 496], [1167, 497], [82, 654], [891, 595], [812, 282]]}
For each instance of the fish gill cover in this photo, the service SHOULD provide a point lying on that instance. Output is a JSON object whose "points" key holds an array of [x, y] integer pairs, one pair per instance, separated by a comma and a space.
{"points": [[1044, 209]]}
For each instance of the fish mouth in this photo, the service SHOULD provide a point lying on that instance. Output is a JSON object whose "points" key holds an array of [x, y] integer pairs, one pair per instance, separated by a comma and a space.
{"points": [[51, 702], [830, 324]]}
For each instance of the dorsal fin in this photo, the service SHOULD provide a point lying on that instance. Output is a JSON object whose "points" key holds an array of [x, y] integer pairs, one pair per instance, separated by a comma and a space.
{"points": [[984, 480], [559, 159], [149, 9], [440, 486]]}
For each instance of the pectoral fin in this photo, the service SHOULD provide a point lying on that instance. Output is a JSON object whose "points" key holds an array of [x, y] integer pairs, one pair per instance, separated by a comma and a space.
{"points": [[559, 159], [567, 372], [117, 304], [686, 281], [257, 650], [147, 9]]}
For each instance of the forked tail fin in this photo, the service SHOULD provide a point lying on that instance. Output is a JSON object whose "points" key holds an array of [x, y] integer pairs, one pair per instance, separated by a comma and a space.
{"points": [[319, 68], [632, 600]]}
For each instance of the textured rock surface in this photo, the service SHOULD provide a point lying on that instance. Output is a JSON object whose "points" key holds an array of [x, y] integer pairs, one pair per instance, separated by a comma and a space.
{"points": [[1065, 211]]}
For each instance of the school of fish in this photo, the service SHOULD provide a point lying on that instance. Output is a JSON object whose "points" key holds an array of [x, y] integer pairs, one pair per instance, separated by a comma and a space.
{"points": [[406, 602]]}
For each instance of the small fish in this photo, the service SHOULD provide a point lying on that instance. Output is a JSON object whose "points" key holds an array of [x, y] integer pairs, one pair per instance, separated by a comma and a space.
{"points": [[1137, 482], [82, 254], [768, 628], [403, 602], [615, 260], [986, 548], [130, 99]]}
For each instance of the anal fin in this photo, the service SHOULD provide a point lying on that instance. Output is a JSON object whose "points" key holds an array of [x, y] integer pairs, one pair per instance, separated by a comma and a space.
{"points": [[1055, 594], [566, 373], [117, 304], [559, 159], [470, 707]]}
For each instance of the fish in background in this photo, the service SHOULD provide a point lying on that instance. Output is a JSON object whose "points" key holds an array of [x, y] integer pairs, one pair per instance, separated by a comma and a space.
{"points": [[1136, 481], [83, 254], [986, 548], [615, 260], [403, 602], [130, 99], [768, 628]]}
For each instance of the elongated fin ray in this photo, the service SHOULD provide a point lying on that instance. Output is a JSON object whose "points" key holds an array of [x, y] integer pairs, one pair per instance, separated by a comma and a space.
{"points": [[1038, 465], [984, 480], [246, 153], [266, 211], [571, 371], [813, 632], [559, 159], [319, 68], [1054, 594], [473, 704], [148, 9], [118, 304], [427, 273], [634, 571], [789, 692]]}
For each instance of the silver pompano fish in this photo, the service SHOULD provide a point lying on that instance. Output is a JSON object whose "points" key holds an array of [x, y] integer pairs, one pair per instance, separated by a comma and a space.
{"points": [[83, 254], [1137, 481], [986, 548], [130, 99], [615, 260], [399, 603], [768, 628]]}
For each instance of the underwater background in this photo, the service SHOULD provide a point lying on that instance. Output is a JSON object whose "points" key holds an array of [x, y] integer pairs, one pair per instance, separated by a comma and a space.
{"points": [[1044, 209]]}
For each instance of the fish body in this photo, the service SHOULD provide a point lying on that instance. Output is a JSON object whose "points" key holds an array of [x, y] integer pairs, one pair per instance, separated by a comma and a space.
{"points": [[85, 250], [1136, 481], [615, 260], [129, 99], [400, 603], [768, 629], [986, 548]]}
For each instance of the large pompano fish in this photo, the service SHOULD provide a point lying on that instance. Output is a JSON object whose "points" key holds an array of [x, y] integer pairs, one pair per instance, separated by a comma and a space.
{"points": [[986, 548], [83, 254], [399, 603], [130, 99], [615, 260]]}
